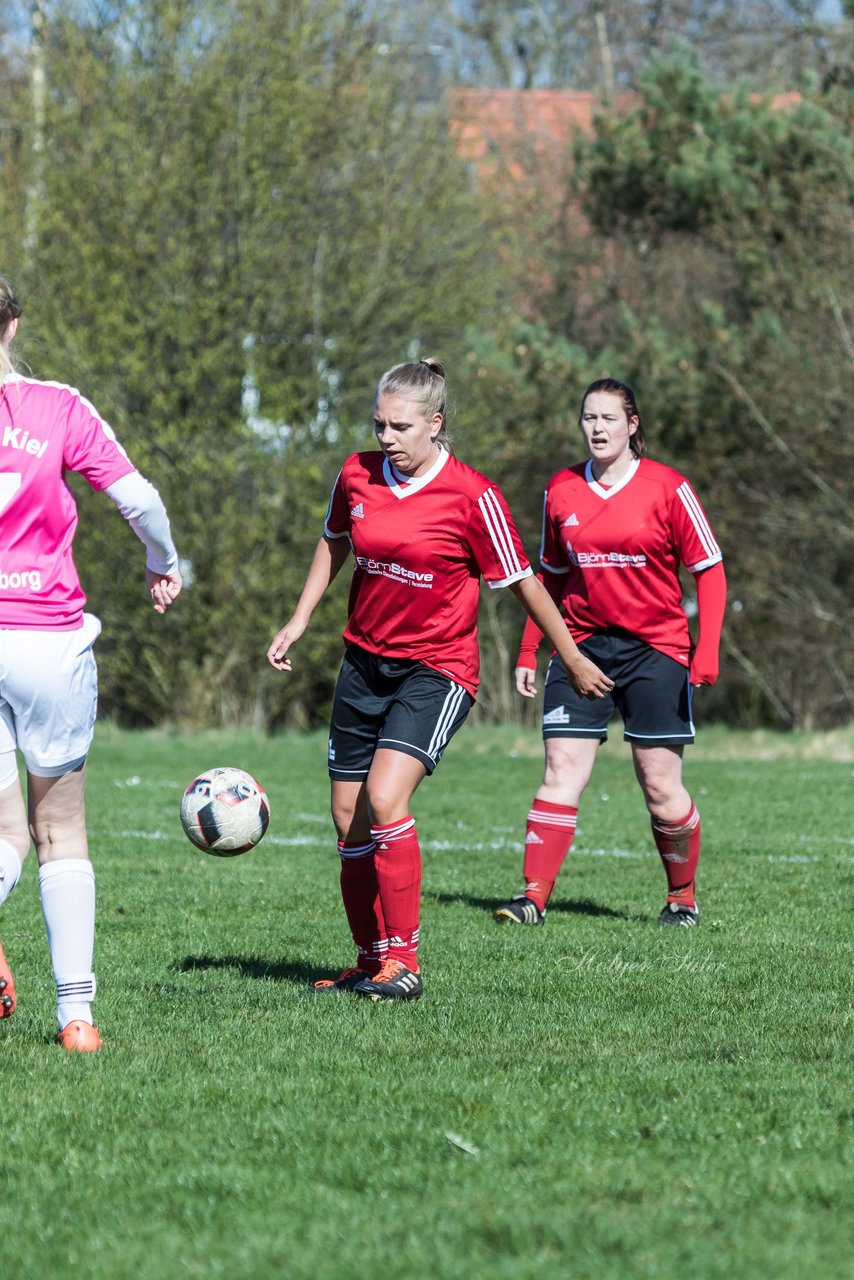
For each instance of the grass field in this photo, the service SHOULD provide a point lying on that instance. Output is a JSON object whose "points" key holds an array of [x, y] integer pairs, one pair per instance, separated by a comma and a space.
{"points": [[599, 1098]]}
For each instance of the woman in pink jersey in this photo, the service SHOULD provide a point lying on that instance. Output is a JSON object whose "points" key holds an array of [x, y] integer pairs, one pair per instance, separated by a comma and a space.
{"points": [[616, 529], [48, 680], [423, 529]]}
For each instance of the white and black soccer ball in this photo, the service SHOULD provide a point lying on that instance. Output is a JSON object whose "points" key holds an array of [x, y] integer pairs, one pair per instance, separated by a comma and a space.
{"points": [[225, 811]]}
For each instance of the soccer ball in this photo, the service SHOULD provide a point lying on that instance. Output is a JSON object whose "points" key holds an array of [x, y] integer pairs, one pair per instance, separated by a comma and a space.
{"points": [[225, 812]]}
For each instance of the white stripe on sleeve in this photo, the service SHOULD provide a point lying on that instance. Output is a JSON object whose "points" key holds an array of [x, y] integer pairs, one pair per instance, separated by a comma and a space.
{"points": [[326, 529], [543, 530], [499, 532], [697, 516]]}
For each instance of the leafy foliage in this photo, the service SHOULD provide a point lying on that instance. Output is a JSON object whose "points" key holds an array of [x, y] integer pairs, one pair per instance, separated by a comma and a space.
{"points": [[238, 220], [559, 43], [717, 281], [226, 219]]}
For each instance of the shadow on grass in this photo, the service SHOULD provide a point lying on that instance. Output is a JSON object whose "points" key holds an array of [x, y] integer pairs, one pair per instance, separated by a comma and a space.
{"points": [[576, 907], [255, 967]]}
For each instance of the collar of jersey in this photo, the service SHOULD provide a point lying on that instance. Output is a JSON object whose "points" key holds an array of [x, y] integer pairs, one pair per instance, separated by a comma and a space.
{"points": [[614, 488], [402, 486]]}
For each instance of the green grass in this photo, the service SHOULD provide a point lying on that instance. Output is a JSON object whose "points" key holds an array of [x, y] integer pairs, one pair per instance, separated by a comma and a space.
{"points": [[599, 1098]]}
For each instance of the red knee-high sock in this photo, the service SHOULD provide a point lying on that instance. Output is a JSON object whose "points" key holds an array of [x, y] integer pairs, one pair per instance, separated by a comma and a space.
{"points": [[678, 844], [398, 863], [360, 892], [548, 836]]}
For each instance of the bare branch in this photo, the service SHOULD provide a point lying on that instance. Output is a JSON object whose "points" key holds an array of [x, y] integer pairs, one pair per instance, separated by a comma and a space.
{"points": [[844, 331], [778, 441], [757, 677]]}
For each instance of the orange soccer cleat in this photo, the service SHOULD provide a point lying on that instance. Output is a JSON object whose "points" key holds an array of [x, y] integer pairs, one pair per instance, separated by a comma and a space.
{"points": [[345, 981], [79, 1037], [8, 1000]]}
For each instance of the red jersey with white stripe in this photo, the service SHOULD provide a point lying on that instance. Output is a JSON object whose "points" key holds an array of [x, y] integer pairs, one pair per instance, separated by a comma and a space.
{"points": [[421, 547], [46, 429], [621, 548]]}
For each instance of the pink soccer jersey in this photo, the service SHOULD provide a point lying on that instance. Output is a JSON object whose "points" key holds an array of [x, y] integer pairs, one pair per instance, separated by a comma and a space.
{"points": [[621, 548], [46, 430], [421, 547]]}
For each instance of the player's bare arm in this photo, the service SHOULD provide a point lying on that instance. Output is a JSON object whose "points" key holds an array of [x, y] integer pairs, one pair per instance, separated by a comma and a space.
{"points": [[526, 682], [329, 556], [525, 673], [584, 676]]}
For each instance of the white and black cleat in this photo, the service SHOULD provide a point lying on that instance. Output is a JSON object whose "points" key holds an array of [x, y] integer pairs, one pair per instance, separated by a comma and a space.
{"points": [[520, 910], [680, 914], [393, 982]]}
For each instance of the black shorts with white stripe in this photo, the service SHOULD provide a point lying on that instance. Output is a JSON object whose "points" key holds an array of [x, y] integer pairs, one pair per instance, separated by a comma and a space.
{"points": [[651, 692], [395, 703]]}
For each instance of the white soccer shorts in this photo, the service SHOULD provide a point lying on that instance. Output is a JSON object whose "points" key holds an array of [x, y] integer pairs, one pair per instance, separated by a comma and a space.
{"points": [[49, 696]]}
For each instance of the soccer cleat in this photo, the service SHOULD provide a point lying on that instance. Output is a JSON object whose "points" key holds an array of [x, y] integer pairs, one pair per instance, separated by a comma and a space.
{"points": [[346, 981], [520, 910], [393, 982], [8, 1000], [79, 1037], [679, 913]]}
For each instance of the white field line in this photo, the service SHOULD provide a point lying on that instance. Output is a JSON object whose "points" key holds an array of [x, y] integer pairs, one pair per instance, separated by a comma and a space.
{"points": [[506, 839], [494, 846]]}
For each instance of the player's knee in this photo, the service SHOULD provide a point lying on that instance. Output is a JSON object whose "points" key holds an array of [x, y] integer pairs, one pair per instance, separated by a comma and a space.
{"points": [[13, 819], [665, 802], [344, 820], [564, 784], [385, 804], [17, 836], [55, 839]]}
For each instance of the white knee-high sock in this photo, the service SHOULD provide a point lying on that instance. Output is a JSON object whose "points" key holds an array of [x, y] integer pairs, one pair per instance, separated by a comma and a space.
{"points": [[67, 890], [10, 870]]}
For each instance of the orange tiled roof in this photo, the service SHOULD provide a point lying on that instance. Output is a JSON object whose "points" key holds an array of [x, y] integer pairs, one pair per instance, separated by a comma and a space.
{"points": [[490, 124]]}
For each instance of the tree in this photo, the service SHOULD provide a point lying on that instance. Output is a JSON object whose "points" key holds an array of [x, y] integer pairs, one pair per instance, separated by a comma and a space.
{"points": [[604, 46], [242, 219], [718, 280]]}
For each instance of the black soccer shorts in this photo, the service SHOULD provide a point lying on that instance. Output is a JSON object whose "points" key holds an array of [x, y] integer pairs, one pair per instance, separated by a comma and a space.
{"points": [[651, 692], [395, 703]]}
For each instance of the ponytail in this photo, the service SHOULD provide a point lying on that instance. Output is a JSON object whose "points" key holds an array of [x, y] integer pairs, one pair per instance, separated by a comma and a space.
{"points": [[10, 309], [424, 382]]}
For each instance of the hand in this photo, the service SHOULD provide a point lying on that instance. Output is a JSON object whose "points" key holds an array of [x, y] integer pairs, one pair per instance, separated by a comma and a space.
{"points": [[526, 682], [282, 641], [587, 680], [704, 667], [163, 588], [702, 672]]}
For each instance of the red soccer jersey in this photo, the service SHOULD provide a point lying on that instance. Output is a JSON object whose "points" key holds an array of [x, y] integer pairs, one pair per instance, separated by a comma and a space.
{"points": [[421, 547], [621, 548]]}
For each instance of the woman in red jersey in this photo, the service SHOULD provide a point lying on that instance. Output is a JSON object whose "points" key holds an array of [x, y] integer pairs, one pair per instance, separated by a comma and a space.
{"points": [[424, 529], [615, 530], [48, 678]]}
